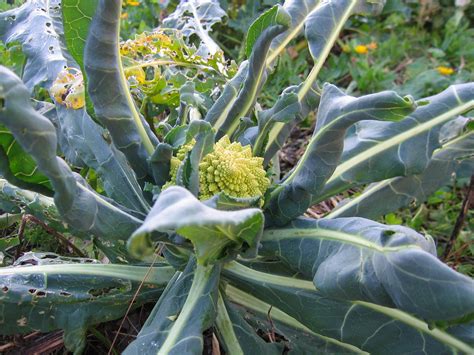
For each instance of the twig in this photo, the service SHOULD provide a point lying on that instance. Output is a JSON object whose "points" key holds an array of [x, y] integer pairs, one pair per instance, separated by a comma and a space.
{"points": [[21, 231], [132, 325], [7, 346], [468, 200], [403, 65], [271, 334], [216, 350], [55, 234], [158, 251]]}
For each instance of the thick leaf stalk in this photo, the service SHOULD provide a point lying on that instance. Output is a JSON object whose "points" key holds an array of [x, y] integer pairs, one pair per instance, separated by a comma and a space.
{"points": [[336, 113], [108, 89], [376, 151]]}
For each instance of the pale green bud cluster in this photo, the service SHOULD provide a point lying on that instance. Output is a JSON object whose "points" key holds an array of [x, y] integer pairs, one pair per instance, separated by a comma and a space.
{"points": [[232, 169], [229, 168], [176, 161]]}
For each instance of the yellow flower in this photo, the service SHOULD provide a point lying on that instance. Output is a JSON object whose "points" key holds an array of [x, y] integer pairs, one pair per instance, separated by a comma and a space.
{"points": [[124, 16], [445, 70], [372, 45], [361, 49], [133, 3]]}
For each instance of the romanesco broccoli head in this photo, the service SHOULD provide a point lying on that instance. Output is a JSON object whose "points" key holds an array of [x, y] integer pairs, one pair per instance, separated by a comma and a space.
{"points": [[232, 169]]}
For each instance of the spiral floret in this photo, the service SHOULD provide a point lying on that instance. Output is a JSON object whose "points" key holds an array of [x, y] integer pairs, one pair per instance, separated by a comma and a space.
{"points": [[176, 162], [232, 169]]}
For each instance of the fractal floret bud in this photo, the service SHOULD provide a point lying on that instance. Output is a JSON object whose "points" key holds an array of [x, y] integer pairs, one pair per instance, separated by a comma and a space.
{"points": [[232, 169], [176, 161]]}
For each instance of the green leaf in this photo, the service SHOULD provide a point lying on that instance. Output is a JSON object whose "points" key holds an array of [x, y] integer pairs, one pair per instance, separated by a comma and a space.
{"points": [[280, 131], [7, 220], [109, 92], [340, 320], [18, 166], [71, 295], [255, 77], [188, 172], [185, 310], [323, 22], [381, 150], [218, 112], [389, 195], [322, 28], [299, 11], [75, 21], [357, 259], [89, 142], [273, 16], [160, 163], [215, 234], [196, 17], [82, 208], [77, 18], [285, 110], [336, 113], [32, 26], [83, 136], [237, 336], [298, 338], [222, 201], [32, 203]]}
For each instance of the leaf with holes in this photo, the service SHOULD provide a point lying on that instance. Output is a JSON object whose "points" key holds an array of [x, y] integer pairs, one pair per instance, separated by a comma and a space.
{"points": [[71, 294]]}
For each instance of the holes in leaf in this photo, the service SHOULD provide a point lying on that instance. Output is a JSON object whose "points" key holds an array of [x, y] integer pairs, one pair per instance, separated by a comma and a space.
{"points": [[48, 24], [2, 104], [22, 322], [36, 292], [96, 292], [269, 335], [5, 289], [49, 256], [28, 262], [387, 236], [65, 294]]}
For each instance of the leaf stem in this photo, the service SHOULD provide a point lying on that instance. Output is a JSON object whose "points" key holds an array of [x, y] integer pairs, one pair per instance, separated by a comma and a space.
{"points": [[319, 62], [202, 274], [225, 328]]}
